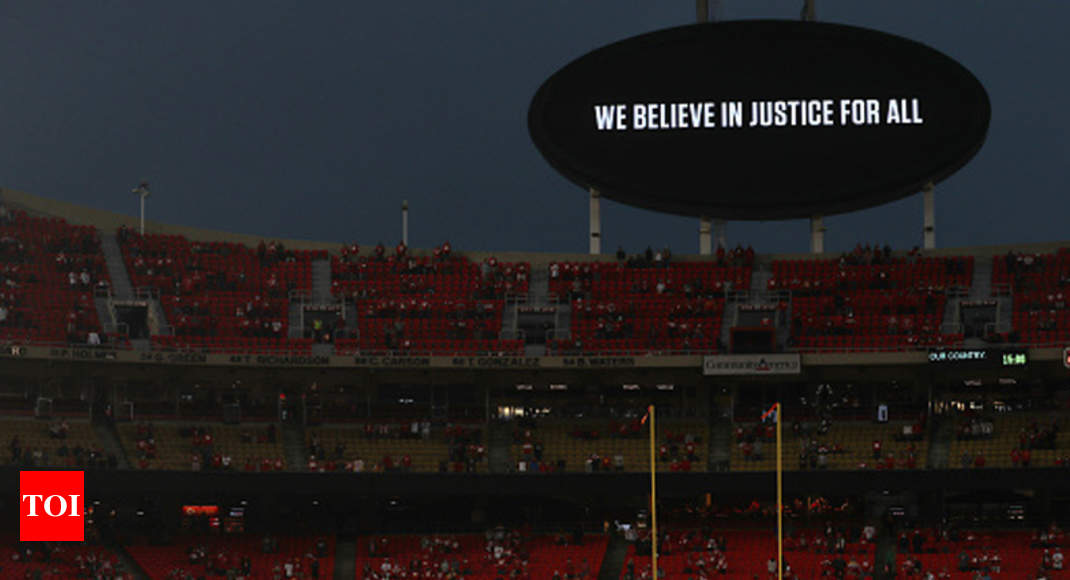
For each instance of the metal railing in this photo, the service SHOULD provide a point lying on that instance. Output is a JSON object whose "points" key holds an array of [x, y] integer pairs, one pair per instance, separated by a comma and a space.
{"points": [[513, 298], [147, 293], [770, 297], [957, 292], [951, 328], [1002, 289], [997, 327], [514, 334]]}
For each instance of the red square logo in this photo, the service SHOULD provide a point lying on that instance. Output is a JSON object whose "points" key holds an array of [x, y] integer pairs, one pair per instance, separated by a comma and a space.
{"points": [[52, 506]]}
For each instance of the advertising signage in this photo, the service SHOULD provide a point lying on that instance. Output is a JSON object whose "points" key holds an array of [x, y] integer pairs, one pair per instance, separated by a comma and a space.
{"points": [[752, 364], [760, 119], [987, 357]]}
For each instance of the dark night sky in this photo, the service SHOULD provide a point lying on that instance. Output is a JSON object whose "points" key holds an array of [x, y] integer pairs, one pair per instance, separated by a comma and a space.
{"points": [[314, 120]]}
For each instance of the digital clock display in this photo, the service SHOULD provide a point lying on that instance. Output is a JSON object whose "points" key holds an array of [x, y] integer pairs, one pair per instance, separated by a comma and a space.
{"points": [[1014, 359]]}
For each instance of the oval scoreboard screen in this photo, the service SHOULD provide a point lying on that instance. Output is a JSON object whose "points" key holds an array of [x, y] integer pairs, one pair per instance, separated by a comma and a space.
{"points": [[760, 119]]}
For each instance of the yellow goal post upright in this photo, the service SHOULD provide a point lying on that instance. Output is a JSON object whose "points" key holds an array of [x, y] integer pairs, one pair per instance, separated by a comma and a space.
{"points": [[653, 494], [774, 411]]}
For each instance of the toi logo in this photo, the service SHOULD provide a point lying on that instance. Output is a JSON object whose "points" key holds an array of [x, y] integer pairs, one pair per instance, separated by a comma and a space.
{"points": [[52, 506]]}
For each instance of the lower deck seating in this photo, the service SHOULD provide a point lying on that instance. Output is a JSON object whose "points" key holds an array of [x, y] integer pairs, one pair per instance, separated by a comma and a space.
{"points": [[200, 446], [58, 560], [746, 554], [480, 557], [1005, 554], [214, 556]]}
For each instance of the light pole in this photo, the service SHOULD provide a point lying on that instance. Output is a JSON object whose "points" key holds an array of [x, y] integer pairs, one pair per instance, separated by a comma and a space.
{"points": [[142, 191]]}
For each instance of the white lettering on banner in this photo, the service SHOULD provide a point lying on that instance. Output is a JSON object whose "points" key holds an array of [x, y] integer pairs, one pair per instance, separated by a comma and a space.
{"points": [[958, 355], [675, 116], [603, 115], [33, 503], [47, 502]]}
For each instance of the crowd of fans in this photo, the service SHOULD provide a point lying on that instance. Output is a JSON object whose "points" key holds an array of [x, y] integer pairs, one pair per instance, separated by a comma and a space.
{"points": [[256, 317], [416, 273], [1021, 269], [678, 450], [1033, 436], [54, 560], [69, 256], [817, 450], [503, 553], [709, 554], [438, 557], [464, 450], [236, 563], [981, 555], [195, 274], [76, 454], [204, 453]]}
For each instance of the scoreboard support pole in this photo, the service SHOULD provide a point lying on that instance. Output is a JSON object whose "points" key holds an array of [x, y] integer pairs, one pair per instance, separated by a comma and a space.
{"points": [[595, 223], [705, 227], [817, 222], [817, 234], [929, 208]]}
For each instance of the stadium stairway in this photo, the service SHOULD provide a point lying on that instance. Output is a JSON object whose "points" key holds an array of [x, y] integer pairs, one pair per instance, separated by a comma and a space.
{"points": [[981, 285], [952, 320], [499, 443], [127, 563], [321, 281], [121, 289], [539, 286], [510, 318], [885, 552], [293, 443], [295, 329], [105, 313], [760, 276], [108, 437], [351, 317], [943, 428], [613, 562], [538, 296], [345, 557], [720, 438], [728, 322], [160, 326]]}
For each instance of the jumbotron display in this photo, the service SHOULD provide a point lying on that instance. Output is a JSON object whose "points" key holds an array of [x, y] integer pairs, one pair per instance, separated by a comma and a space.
{"points": [[760, 119]]}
